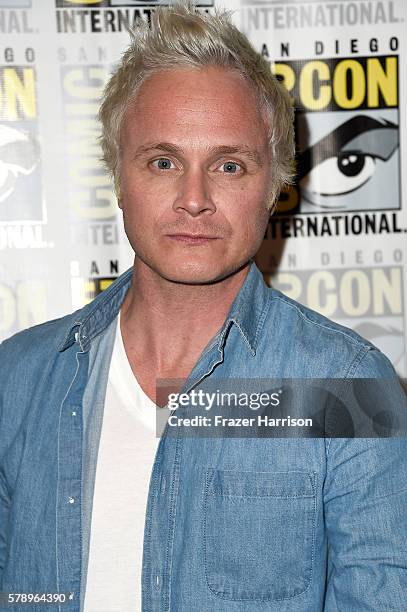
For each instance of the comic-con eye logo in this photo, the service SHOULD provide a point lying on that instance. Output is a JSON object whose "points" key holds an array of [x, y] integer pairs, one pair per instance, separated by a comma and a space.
{"points": [[19, 157], [20, 164], [348, 159], [347, 132]]}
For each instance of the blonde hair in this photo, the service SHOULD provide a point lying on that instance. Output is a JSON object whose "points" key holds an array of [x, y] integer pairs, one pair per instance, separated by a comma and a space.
{"points": [[182, 37]]}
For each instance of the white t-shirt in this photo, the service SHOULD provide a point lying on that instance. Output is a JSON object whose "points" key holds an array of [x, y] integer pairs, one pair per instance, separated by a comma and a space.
{"points": [[126, 454]]}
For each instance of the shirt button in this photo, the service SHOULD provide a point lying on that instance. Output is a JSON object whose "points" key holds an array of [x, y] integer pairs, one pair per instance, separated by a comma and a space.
{"points": [[74, 413], [71, 500]]}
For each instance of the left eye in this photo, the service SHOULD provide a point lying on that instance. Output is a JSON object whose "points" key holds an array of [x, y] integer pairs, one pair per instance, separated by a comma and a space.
{"points": [[231, 167], [163, 163]]}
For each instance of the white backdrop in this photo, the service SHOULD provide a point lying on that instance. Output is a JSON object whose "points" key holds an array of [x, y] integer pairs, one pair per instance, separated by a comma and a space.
{"points": [[338, 242]]}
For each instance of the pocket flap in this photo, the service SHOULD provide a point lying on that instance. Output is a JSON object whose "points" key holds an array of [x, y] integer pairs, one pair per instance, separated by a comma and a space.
{"points": [[230, 483]]}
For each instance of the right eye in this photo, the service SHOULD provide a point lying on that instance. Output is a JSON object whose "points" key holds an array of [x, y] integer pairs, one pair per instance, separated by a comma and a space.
{"points": [[163, 163]]}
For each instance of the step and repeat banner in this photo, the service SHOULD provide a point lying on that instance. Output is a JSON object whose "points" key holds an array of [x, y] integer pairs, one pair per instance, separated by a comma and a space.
{"points": [[338, 241]]}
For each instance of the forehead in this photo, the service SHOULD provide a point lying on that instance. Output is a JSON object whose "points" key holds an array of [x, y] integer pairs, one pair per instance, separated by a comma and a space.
{"points": [[207, 104]]}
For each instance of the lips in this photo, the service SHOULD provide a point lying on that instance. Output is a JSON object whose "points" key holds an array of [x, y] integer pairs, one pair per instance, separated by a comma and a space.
{"points": [[192, 238]]}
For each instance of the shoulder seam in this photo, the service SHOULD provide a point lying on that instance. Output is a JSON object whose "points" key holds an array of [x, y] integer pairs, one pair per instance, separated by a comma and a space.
{"points": [[324, 326], [357, 360]]}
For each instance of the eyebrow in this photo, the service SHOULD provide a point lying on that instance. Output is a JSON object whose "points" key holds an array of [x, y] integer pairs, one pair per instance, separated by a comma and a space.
{"points": [[167, 147]]}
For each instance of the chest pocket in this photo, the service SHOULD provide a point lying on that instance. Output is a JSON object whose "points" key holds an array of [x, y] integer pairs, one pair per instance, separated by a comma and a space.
{"points": [[259, 531]]}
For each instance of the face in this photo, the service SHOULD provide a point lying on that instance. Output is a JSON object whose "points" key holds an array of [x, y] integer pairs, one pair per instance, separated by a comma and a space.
{"points": [[195, 174]]}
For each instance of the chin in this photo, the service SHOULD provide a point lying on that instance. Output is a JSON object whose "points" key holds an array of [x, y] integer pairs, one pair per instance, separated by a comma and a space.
{"points": [[192, 273], [191, 277]]}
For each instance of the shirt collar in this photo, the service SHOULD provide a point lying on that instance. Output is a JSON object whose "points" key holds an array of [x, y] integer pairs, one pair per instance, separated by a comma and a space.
{"points": [[93, 318], [249, 309], [248, 312]]}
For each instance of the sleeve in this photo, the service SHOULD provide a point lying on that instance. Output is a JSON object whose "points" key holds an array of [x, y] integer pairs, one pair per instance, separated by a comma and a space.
{"points": [[4, 514], [12, 390], [365, 506], [4, 497]]}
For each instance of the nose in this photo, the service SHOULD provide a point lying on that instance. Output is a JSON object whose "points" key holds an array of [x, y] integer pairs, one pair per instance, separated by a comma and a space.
{"points": [[193, 194]]}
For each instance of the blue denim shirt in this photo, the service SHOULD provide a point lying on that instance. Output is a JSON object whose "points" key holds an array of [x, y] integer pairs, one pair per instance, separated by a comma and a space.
{"points": [[232, 524]]}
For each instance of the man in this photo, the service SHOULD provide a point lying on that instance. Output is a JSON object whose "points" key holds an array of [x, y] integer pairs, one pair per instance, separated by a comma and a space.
{"points": [[198, 136]]}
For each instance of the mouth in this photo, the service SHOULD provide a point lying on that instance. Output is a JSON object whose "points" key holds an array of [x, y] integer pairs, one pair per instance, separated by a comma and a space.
{"points": [[192, 238]]}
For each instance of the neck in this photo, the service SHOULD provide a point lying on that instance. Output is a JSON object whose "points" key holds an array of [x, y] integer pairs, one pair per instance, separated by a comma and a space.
{"points": [[170, 323]]}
